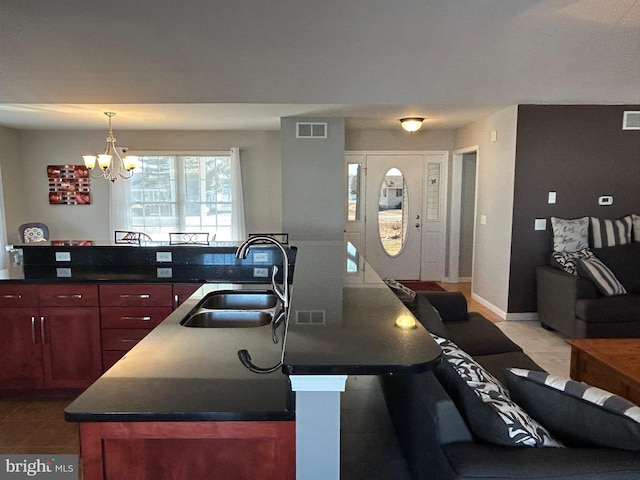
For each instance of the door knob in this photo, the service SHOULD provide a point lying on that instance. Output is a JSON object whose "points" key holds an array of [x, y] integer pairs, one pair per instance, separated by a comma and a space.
{"points": [[417, 217], [417, 225]]}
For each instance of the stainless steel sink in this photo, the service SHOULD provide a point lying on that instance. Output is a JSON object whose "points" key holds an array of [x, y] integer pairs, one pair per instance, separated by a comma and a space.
{"points": [[228, 319], [234, 309], [240, 300]]}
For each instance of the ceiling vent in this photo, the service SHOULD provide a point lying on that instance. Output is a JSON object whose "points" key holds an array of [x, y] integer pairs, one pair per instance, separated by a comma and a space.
{"points": [[311, 130], [631, 121]]}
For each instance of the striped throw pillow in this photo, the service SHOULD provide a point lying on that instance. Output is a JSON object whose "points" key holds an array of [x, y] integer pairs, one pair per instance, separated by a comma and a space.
{"points": [[606, 232], [603, 278]]}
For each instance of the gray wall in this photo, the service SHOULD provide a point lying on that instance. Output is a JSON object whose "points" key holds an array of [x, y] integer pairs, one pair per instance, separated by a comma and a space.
{"points": [[26, 185], [496, 165], [313, 182], [580, 152], [467, 211]]}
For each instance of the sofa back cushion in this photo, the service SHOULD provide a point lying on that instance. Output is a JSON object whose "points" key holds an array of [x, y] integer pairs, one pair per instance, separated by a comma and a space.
{"points": [[601, 276], [624, 262]]}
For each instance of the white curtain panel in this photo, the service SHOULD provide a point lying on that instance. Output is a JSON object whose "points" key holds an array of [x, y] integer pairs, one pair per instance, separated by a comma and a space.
{"points": [[238, 228], [4, 263], [120, 202]]}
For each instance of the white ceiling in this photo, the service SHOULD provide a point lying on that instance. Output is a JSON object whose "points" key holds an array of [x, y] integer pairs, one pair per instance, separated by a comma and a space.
{"points": [[243, 64]]}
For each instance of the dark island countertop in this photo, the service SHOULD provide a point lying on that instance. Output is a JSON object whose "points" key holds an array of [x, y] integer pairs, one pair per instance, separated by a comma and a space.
{"points": [[337, 325]]}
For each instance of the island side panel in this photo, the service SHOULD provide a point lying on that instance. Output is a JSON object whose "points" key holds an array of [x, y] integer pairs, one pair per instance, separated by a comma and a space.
{"points": [[158, 450]]}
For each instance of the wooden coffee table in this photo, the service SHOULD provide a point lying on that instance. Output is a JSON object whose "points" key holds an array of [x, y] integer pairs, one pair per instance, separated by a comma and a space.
{"points": [[612, 364]]}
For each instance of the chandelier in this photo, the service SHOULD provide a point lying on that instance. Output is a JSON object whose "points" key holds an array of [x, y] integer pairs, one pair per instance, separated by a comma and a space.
{"points": [[111, 165], [411, 124]]}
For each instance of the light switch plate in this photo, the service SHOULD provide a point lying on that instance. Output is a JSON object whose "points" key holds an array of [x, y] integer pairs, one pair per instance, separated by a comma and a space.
{"points": [[483, 219], [552, 197], [541, 224]]}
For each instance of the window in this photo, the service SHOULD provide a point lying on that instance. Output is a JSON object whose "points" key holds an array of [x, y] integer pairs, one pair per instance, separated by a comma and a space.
{"points": [[182, 193]]}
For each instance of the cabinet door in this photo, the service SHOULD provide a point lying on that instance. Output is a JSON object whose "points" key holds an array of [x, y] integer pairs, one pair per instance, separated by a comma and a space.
{"points": [[71, 350], [182, 291], [20, 349]]}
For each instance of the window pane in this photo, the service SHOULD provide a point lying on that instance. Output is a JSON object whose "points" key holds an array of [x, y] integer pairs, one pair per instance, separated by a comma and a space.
{"points": [[353, 192], [180, 193], [392, 212]]}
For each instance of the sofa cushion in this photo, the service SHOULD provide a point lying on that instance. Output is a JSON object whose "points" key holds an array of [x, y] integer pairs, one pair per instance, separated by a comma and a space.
{"points": [[603, 278], [479, 336], [496, 363], [576, 413], [636, 227], [570, 235], [624, 262], [618, 308], [606, 232], [452, 306], [484, 402]]}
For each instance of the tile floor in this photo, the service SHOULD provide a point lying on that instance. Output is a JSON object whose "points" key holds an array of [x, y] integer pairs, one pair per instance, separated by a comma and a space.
{"points": [[38, 426]]}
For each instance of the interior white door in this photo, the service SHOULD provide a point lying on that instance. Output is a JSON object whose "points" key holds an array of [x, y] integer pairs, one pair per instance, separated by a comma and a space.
{"points": [[394, 214]]}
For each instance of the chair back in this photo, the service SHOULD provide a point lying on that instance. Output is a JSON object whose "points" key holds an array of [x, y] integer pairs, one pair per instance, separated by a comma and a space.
{"points": [[33, 232], [189, 238], [124, 236], [283, 238]]}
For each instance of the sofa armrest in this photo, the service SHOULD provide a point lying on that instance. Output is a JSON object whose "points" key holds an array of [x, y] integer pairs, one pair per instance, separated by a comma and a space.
{"points": [[557, 294]]}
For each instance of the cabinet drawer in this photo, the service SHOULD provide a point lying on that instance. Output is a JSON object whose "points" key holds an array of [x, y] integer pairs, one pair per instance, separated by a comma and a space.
{"points": [[18, 295], [68, 295], [136, 295], [122, 338], [133, 317]]}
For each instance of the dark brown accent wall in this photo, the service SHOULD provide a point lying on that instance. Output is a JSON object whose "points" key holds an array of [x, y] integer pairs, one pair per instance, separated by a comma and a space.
{"points": [[580, 152]]}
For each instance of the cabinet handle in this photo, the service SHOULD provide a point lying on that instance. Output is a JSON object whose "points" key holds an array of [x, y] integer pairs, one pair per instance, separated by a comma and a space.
{"points": [[33, 329], [42, 330], [12, 295], [130, 340], [144, 319], [74, 295], [176, 301], [142, 295]]}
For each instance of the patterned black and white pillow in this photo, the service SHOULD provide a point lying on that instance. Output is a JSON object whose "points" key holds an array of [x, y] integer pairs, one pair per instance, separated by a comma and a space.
{"points": [[485, 402], [396, 285], [605, 232], [570, 235], [601, 276], [636, 227], [568, 260], [576, 413]]}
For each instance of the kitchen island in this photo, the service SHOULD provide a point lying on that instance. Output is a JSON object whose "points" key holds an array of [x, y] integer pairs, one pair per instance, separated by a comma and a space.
{"points": [[181, 399]]}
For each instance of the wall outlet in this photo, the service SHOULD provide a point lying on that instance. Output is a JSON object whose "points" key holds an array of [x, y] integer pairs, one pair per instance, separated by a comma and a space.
{"points": [[63, 272], [163, 257], [260, 272], [63, 256], [261, 257], [483, 219], [164, 272]]}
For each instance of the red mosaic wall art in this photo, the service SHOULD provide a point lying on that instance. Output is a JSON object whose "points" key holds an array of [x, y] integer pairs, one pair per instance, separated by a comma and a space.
{"points": [[69, 185]]}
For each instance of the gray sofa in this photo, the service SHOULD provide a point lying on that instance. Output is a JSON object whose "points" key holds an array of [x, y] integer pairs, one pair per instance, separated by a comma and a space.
{"points": [[433, 428], [573, 306]]}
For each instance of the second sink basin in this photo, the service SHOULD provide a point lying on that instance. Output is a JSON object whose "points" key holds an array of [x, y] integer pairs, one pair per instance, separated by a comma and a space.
{"points": [[240, 300], [228, 319]]}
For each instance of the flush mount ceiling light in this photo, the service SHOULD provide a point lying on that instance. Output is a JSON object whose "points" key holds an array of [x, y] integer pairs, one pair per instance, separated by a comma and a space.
{"points": [[411, 124], [112, 165]]}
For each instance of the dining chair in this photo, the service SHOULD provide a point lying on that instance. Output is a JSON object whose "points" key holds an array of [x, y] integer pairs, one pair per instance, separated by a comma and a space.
{"points": [[33, 232]]}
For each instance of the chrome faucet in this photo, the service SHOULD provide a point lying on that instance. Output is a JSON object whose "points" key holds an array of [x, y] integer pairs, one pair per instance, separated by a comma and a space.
{"points": [[283, 294]]}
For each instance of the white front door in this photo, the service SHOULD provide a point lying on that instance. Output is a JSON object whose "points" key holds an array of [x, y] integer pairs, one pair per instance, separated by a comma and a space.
{"points": [[399, 219], [394, 192]]}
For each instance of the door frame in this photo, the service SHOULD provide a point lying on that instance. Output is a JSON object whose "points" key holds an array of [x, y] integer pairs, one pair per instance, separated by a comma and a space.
{"points": [[444, 197], [456, 212]]}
